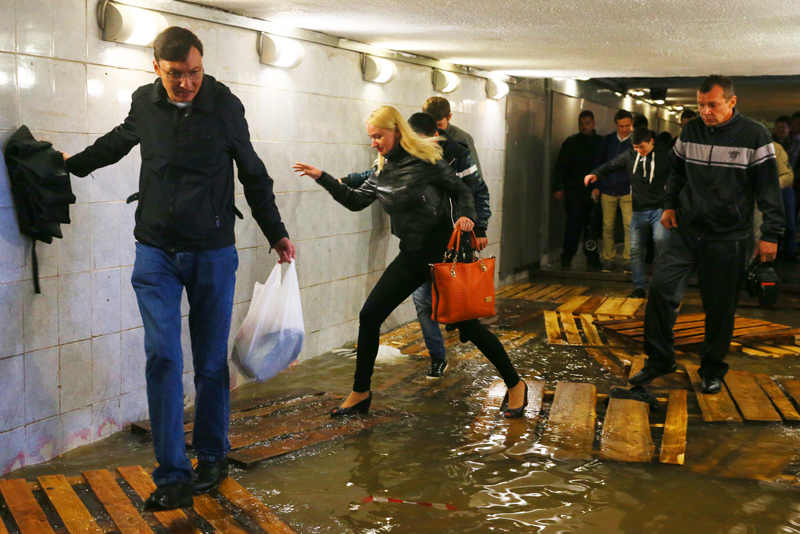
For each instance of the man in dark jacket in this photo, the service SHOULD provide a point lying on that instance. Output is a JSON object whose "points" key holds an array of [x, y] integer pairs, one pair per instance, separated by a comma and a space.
{"points": [[575, 161], [615, 189], [458, 156], [191, 129], [648, 168], [721, 167]]}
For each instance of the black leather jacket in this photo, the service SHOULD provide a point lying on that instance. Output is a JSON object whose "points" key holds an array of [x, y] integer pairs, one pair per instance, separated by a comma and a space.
{"points": [[413, 192]]}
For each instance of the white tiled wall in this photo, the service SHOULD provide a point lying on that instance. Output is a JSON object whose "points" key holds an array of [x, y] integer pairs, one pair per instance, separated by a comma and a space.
{"points": [[72, 358]]}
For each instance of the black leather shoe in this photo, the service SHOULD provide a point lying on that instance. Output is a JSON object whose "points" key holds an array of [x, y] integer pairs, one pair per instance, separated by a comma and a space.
{"points": [[513, 413], [208, 475], [362, 407], [711, 386], [169, 497], [648, 374]]}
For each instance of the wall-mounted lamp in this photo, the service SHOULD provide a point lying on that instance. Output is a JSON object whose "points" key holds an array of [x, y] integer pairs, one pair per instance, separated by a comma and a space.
{"points": [[279, 51], [444, 81], [129, 25], [377, 69], [496, 89]]}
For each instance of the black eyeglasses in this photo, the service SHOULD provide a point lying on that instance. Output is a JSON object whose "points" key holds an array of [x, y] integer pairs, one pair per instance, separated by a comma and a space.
{"points": [[177, 77]]}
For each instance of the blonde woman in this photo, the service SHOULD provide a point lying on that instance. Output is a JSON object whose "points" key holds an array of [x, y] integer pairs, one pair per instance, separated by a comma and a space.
{"points": [[413, 184]]}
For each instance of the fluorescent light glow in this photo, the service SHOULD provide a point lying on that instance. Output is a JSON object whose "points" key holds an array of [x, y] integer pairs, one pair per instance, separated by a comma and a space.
{"points": [[444, 81], [659, 102], [617, 93], [638, 101], [131, 25], [280, 51], [679, 108], [583, 79], [378, 69], [496, 89]]}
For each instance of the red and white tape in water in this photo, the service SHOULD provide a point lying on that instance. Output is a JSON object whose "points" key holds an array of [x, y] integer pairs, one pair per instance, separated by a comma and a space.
{"points": [[438, 506]]}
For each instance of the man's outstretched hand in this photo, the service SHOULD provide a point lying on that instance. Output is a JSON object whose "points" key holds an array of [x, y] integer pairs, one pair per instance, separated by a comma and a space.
{"points": [[285, 249]]}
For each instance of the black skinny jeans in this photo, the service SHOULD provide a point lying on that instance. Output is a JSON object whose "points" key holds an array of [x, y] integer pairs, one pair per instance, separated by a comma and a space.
{"points": [[405, 274]]}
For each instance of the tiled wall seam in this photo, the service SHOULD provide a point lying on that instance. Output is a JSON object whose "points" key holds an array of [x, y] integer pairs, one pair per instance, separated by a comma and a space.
{"points": [[72, 359]]}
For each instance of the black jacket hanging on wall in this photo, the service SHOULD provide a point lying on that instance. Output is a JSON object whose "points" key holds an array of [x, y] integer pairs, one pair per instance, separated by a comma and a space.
{"points": [[41, 189]]}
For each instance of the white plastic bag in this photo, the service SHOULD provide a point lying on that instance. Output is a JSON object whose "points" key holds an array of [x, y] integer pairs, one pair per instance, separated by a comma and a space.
{"points": [[272, 334]]}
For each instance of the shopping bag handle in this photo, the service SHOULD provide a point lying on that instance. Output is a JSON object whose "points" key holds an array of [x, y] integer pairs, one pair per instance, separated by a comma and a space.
{"points": [[455, 241]]}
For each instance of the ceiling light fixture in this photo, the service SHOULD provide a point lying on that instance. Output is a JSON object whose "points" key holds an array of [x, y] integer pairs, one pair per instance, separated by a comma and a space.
{"points": [[496, 89], [129, 25], [279, 51], [659, 102], [679, 108], [444, 81], [377, 69], [638, 101], [583, 79], [617, 93]]}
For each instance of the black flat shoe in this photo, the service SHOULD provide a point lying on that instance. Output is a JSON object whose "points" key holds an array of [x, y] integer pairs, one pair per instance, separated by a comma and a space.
{"points": [[208, 475], [514, 413], [711, 386], [362, 407], [169, 497], [648, 374]]}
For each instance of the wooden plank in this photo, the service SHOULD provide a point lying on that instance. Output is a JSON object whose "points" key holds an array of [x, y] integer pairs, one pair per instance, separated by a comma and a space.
{"points": [[717, 407], [482, 424], [772, 349], [572, 417], [606, 362], [116, 503], [637, 364], [572, 304], [525, 318], [623, 356], [792, 387], [673, 444], [757, 336], [215, 514], [626, 432], [553, 330], [399, 332], [175, 520], [250, 457], [554, 296], [777, 397], [629, 307], [505, 290], [76, 518], [610, 306], [274, 427], [253, 508], [571, 329], [27, 513], [519, 295], [539, 295], [575, 292], [590, 330], [590, 305], [519, 426], [751, 399]]}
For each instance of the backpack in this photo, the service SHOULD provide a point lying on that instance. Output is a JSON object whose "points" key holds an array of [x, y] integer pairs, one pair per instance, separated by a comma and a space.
{"points": [[41, 189]]}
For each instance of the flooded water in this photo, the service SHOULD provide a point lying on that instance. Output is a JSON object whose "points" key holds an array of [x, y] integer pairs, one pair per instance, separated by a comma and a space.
{"points": [[499, 477]]}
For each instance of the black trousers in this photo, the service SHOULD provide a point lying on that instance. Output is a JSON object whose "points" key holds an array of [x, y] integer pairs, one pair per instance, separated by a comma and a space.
{"points": [[578, 222], [721, 267], [404, 275]]}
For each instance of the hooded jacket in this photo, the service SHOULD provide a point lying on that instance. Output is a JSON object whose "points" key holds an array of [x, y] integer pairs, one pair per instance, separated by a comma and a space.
{"points": [[648, 176], [718, 174], [415, 195], [459, 156], [615, 184], [186, 188]]}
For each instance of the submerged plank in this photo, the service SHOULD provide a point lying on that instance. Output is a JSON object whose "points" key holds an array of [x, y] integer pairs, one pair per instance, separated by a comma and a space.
{"points": [[553, 330], [717, 407], [572, 417], [673, 444], [600, 357], [175, 520], [626, 432], [73, 513], [27, 513], [777, 397], [590, 330], [116, 503], [571, 329], [215, 514], [751, 399], [252, 507]]}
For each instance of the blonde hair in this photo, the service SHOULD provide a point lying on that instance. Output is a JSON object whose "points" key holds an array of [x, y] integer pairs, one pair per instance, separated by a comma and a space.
{"points": [[389, 118]]}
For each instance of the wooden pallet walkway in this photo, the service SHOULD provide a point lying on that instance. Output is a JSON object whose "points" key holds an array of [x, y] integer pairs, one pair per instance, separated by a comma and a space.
{"points": [[571, 423], [489, 418], [611, 306], [564, 329], [673, 443], [57, 504], [626, 432], [541, 292]]}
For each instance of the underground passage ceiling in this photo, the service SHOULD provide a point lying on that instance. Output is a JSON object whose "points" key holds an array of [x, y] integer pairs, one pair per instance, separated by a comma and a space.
{"points": [[571, 38]]}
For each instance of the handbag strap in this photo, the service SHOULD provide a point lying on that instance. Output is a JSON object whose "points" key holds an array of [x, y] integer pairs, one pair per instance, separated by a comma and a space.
{"points": [[455, 240]]}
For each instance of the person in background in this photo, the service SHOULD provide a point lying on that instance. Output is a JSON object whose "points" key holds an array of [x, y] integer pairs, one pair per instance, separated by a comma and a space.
{"points": [[457, 155], [615, 189], [191, 130], [439, 108], [575, 160], [711, 232], [640, 121], [665, 139], [648, 168], [413, 185], [686, 116], [791, 148]]}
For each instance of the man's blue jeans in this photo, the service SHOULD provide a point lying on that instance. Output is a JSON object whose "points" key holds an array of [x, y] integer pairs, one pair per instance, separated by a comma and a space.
{"points": [[209, 277], [640, 222], [430, 329]]}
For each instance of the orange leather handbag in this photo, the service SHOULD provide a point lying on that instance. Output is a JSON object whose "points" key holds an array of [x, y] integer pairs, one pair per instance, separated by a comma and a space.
{"points": [[462, 291]]}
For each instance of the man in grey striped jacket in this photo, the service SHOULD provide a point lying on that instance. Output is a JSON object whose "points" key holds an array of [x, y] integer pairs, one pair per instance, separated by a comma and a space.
{"points": [[721, 166]]}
